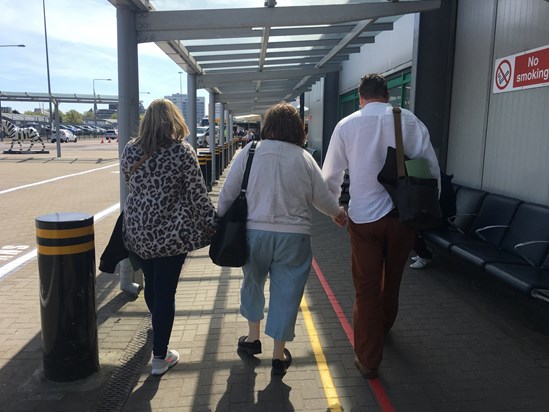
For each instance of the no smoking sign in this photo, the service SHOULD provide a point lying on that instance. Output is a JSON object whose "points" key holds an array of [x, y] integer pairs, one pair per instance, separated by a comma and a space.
{"points": [[504, 72], [521, 71]]}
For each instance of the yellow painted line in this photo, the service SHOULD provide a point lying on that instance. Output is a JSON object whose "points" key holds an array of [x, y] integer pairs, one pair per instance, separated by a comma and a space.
{"points": [[325, 376], [65, 250], [64, 233]]}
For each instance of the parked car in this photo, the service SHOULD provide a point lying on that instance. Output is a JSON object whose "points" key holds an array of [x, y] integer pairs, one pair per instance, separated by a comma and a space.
{"points": [[203, 136], [111, 134], [64, 136]]}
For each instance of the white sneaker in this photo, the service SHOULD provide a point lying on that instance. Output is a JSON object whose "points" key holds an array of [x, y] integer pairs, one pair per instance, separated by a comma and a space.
{"points": [[414, 258], [420, 263], [161, 366]]}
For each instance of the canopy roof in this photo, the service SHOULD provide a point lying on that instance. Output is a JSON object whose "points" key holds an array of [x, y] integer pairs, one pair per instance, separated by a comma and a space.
{"points": [[251, 57]]}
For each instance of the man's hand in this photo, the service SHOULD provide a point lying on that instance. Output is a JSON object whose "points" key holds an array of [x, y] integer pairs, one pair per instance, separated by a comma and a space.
{"points": [[341, 218]]}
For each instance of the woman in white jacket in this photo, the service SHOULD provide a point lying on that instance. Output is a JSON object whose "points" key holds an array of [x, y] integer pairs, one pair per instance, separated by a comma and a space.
{"points": [[284, 183]]}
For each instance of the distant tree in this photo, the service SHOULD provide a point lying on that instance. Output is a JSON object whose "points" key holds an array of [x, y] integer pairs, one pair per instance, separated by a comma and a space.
{"points": [[15, 112], [88, 114], [61, 114], [114, 116], [73, 117], [33, 113]]}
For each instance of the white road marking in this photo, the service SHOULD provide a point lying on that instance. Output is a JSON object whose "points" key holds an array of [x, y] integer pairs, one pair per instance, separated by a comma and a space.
{"points": [[13, 189], [9, 267]]}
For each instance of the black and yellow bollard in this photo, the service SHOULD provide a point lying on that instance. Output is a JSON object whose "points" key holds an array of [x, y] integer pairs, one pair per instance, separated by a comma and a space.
{"points": [[66, 264]]}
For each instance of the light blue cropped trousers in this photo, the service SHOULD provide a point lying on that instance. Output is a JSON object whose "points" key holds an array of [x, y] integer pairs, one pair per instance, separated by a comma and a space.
{"points": [[286, 259]]}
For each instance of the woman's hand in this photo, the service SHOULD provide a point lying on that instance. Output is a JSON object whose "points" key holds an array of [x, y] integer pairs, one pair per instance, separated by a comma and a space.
{"points": [[341, 218]]}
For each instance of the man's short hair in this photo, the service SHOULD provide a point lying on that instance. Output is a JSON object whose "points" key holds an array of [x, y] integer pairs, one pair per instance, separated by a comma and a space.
{"points": [[373, 86]]}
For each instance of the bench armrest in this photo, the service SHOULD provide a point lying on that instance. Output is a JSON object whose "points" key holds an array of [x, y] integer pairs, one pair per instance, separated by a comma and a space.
{"points": [[518, 247], [451, 220], [490, 227]]}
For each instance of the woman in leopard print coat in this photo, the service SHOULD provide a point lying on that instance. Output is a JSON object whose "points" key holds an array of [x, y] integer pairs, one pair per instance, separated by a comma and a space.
{"points": [[166, 215]]}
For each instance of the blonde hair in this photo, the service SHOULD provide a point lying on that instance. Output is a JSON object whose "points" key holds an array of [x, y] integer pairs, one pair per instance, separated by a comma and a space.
{"points": [[282, 122], [161, 125]]}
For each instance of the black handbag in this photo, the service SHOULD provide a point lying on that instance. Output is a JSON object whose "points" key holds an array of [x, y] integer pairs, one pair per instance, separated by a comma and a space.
{"points": [[414, 197], [228, 246]]}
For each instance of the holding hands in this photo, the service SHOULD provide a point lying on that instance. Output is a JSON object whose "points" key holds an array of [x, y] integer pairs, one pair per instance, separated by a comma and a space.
{"points": [[341, 218]]}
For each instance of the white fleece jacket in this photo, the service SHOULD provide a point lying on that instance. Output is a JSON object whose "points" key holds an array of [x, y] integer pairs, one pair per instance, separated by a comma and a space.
{"points": [[284, 183]]}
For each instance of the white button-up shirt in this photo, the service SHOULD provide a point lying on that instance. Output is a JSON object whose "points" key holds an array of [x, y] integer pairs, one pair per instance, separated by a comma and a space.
{"points": [[359, 144]]}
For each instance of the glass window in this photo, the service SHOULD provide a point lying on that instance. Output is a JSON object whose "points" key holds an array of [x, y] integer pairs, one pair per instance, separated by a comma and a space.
{"points": [[399, 85], [399, 88], [348, 103]]}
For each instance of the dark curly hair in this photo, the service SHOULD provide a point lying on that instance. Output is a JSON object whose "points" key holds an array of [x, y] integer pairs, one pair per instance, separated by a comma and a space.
{"points": [[282, 122], [373, 86]]}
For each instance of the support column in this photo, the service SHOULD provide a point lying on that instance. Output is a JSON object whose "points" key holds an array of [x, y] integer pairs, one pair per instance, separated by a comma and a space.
{"points": [[331, 109], [222, 136], [230, 134], [191, 108], [230, 131], [211, 121], [432, 73], [128, 117], [302, 108]]}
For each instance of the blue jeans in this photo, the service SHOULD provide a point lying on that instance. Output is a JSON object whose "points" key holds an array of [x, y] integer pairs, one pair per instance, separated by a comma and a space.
{"points": [[286, 258], [161, 279]]}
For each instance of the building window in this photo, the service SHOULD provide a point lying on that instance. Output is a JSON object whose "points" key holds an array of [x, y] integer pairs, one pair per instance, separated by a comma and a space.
{"points": [[348, 103], [399, 88], [399, 85]]}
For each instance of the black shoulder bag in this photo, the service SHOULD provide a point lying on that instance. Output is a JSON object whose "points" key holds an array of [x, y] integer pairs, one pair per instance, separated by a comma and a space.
{"points": [[228, 247], [415, 197]]}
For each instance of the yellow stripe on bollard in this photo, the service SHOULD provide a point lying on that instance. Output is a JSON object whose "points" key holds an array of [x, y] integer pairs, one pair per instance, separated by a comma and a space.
{"points": [[64, 233], [65, 250]]}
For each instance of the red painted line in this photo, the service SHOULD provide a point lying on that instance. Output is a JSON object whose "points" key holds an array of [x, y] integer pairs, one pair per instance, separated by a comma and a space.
{"points": [[335, 304], [375, 384]]}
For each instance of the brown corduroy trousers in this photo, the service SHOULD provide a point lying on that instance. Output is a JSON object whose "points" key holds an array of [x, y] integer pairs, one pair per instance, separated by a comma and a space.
{"points": [[379, 252]]}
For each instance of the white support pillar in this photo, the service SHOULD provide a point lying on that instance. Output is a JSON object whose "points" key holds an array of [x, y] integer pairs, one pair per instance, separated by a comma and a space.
{"points": [[222, 135], [211, 119], [191, 108], [230, 131], [128, 117]]}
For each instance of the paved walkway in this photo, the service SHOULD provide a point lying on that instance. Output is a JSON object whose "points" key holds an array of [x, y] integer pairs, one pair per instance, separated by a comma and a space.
{"points": [[462, 342]]}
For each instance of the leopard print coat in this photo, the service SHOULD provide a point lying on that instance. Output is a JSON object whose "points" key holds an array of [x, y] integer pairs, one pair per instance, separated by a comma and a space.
{"points": [[168, 211]]}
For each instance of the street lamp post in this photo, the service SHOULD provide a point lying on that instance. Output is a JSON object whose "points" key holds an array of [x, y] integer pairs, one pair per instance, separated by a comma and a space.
{"points": [[58, 140], [95, 102]]}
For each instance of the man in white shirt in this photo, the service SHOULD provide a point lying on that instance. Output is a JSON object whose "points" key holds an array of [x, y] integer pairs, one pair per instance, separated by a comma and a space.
{"points": [[380, 243]]}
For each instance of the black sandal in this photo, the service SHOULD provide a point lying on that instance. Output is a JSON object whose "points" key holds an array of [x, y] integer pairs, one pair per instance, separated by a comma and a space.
{"points": [[251, 348], [281, 366]]}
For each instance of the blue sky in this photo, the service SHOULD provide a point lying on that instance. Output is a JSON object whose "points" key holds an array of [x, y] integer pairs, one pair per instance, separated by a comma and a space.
{"points": [[81, 47]]}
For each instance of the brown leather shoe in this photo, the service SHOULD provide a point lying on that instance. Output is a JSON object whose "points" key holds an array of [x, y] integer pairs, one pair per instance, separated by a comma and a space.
{"points": [[368, 373]]}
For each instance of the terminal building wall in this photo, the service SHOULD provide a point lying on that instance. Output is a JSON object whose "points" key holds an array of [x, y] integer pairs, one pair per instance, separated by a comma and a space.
{"points": [[499, 142]]}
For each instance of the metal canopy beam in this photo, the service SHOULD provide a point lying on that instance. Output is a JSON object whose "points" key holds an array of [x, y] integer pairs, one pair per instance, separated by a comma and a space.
{"points": [[60, 98], [186, 34], [278, 16], [205, 58], [212, 80], [268, 62], [315, 44], [250, 58]]}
